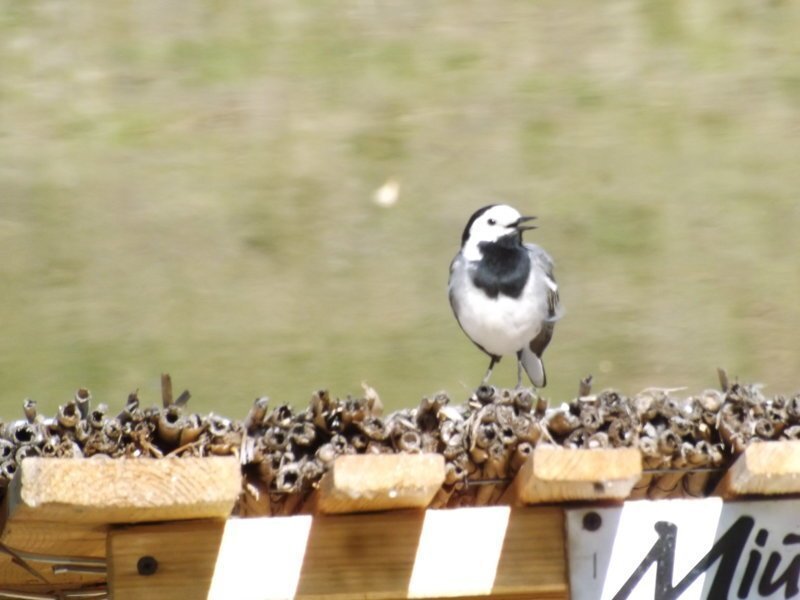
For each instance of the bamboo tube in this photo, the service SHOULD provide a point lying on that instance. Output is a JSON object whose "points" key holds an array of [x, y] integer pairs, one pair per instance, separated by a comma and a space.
{"points": [[7, 469], [577, 439], [97, 417], [29, 407], [374, 447], [22, 432], [182, 399], [218, 426], [453, 473], [521, 454], [540, 408], [562, 423], [169, 425], [478, 455], [7, 449], [26, 451], [442, 497], [585, 387], [495, 467], [599, 439], [526, 429], [374, 428], [258, 411], [765, 429], [255, 500], [485, 394], [276, 439], [359, 442], [792, 433], [304, 434], [667, 484], [651, 459], [410, 441], [68, 415], [50, 446], [190, 429], [793, 408], [523, 402], [83, 400], [166, 390], [326, 453], [696, 482], [590, 418], [621, 432], [453, 447], [289, 479], [82, 431], [668, 442]]}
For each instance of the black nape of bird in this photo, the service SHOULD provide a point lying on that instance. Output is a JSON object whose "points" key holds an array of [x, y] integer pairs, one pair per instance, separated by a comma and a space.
{"points": [[503, 292]]}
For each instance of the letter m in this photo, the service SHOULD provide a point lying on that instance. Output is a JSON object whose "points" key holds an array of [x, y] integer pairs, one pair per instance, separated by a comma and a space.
{"points": [[728, 549]]}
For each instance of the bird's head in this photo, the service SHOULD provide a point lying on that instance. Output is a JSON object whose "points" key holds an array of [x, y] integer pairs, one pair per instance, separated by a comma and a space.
{"points": [[493, 222]]}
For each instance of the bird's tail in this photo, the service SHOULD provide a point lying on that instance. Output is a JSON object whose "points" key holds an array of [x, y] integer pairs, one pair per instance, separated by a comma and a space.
{"points": [[534, 367]]}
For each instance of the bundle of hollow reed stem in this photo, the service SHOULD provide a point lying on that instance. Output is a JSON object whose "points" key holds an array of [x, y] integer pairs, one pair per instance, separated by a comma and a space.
{"points": [[685, 441], [82, 430], [487, 439]]}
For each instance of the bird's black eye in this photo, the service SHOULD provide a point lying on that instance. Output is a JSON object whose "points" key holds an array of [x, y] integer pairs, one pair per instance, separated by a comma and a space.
{"points": [[492, 222]]}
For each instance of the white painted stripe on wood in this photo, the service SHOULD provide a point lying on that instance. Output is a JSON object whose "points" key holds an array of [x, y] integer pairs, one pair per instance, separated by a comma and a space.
{"points": [[260, 559], [458, 552]]}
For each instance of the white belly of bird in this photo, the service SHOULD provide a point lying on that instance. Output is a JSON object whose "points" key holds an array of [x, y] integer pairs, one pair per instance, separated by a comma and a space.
{"points": [[501, 325]]}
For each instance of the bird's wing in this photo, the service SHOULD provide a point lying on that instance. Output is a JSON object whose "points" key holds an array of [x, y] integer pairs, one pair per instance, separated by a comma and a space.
{"points": [[543, 265], [455, 282]]}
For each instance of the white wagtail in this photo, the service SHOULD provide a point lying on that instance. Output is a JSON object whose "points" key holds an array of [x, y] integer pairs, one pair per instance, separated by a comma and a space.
{"points": [[503, 292]]}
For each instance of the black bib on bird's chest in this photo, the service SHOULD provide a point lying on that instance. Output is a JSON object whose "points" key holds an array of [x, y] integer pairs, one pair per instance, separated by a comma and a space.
{"points": [[504, 268]]}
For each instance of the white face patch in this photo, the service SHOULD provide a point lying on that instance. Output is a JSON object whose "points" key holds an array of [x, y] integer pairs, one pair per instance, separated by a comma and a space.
{"points": [[489, 227]]}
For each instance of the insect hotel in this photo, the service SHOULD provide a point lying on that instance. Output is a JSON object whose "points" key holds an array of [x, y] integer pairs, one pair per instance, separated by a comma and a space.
{"points": [[657, 495]]}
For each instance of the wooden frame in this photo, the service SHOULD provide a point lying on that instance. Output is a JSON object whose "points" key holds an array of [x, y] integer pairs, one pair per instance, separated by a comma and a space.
{"points": [[163, 530]]}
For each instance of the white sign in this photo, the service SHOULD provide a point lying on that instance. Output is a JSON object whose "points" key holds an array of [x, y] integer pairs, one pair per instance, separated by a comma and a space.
{"points": [[686, 550]]}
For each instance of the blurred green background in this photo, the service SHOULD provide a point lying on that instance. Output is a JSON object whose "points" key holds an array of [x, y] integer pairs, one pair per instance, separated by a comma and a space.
{"points": [[188, 186]]}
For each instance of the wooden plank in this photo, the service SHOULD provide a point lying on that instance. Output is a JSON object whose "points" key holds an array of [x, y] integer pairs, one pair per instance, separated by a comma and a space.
{"points": [[96, 491], [371, 482], [76, 540], [554, 474], [467, 552], [765, 468], [185, 553]]}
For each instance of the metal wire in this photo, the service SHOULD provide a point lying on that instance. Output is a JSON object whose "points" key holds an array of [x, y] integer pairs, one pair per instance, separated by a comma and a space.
{"points": [[86, 561], [86, 569], [691, 470], [95, 593], [498, 481], [6, 594]]}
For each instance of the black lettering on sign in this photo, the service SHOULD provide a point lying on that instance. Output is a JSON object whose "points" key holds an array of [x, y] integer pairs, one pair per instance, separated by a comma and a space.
{"points": [[728, 549], [753, 562], [767, 585]]}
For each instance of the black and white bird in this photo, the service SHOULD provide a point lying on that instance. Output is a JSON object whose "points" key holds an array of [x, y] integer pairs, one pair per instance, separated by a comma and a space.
{"points": [[503, 292]]}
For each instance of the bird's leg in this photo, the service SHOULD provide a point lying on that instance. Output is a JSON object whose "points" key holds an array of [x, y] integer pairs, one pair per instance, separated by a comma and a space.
{"points": [[492, 363], [519, 370]]}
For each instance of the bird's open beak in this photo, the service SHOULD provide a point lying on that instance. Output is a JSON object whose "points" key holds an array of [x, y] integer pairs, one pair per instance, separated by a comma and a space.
{"points": [[519, 225]]}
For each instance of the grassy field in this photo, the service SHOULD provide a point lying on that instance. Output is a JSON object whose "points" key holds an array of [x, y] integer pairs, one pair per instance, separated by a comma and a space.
{"points": [[187, 187]]}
